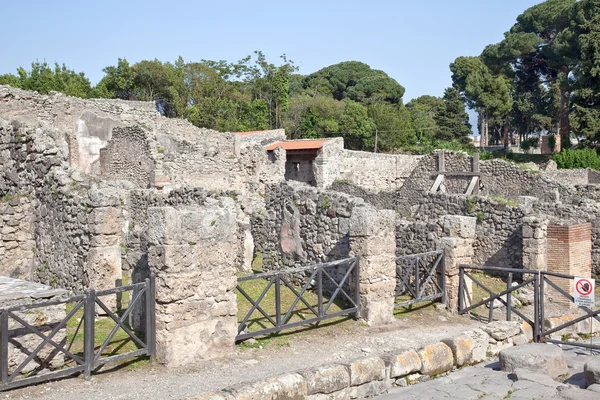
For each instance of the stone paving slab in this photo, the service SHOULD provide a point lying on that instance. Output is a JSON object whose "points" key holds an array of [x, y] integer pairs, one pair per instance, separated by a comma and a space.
{"points": [[486, 381]]}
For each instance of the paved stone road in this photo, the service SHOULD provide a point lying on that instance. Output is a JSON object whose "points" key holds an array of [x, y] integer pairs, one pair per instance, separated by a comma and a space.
{"points": [[486, 381]]}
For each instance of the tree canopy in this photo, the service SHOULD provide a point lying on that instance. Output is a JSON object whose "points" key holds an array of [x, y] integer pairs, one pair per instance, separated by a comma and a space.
{"points": [[348, 99]]}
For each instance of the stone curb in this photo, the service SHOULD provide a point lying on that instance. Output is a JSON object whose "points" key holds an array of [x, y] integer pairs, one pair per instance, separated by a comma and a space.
{"points": [[374, 375]]}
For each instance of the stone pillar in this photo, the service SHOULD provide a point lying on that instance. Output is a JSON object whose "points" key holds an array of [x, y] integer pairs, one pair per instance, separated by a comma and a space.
{"points": [[192, 250], [569, 253], [457, 244], [372, 237], [535, 230], [105, 224]]}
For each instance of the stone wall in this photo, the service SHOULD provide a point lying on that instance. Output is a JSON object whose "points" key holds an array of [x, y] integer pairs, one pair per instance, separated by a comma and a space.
{"points": [[17, 240], [127, 156], [187, 155], [568, 177], [498, 178], [375, 171], [66, 233], [303, 225]]}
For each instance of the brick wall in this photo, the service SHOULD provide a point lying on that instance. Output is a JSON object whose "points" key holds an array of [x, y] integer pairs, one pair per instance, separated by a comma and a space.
{"points": [[569, 253]]}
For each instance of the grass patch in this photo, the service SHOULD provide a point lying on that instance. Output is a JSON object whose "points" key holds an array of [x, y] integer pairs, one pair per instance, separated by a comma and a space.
{"points": [[409, 311], [300, 312], [504, 201], [120, 343], [495, 284]]}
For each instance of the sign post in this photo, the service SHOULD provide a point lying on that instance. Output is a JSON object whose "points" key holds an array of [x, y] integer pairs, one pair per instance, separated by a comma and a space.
{"points": [[583, 293]]}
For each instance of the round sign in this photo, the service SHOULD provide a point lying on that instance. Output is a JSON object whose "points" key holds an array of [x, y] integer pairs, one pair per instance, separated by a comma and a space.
{"points": [[583, 287]]}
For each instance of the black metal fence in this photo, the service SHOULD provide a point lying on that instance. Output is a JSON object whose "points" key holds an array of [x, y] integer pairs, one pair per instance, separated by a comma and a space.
{"points": [[537, 281], [420, 277], [324, 291], [75, 360], [549, 280]]}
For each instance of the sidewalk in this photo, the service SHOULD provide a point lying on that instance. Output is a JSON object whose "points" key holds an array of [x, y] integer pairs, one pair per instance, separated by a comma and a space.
{"points": [[333, 343]]}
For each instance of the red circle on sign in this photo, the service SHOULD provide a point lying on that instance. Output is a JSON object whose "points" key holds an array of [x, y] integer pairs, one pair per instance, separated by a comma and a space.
{"points": [[583, 290]]}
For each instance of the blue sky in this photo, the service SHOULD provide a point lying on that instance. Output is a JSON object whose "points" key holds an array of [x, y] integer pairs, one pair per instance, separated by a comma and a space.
{"points": [[413, 41]]}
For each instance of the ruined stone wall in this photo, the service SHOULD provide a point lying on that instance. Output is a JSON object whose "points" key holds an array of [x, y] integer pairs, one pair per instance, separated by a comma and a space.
{"points": [[17, 240], [383, 200], [302, 225], [177, 151], [127, 156], [498, 236], [568, 177], [498, 178], [375, 171], [66, 234], [260, 138]]}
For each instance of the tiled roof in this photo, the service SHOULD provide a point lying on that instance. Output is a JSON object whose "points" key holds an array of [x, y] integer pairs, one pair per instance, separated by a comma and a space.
{"points": [[298, 144]]}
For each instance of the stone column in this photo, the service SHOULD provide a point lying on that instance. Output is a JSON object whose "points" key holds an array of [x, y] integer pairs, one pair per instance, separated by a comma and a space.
{"points": [[372, 237], [192, 250], [457, 244], [535, 231]]}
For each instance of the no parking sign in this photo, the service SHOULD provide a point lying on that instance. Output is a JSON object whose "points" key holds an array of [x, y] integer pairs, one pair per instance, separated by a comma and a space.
{"points": [[583, 293]]}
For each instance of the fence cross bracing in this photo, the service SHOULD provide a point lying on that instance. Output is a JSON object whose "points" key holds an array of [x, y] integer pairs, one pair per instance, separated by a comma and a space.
{"points": [[325, 290], [539, 282], [420, 277], [552, 279], [92, 354]]}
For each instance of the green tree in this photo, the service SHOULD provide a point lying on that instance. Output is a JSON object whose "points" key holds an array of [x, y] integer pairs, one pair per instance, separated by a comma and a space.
{"points": [[355, 81], [453, 122], [393, 124], [44, 79]]}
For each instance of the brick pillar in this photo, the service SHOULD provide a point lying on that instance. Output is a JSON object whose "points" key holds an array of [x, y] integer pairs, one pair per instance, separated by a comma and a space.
{"points": [[458, 249], [373, 238], [569, 253], [535, 231], [192, 251]]}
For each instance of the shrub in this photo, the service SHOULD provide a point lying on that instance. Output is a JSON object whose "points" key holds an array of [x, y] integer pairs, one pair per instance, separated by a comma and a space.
{"points": [[485, 155], [530, 143], [585, 158]]}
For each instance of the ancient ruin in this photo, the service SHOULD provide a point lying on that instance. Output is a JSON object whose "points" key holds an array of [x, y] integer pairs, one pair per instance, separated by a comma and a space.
{"points": [[94, 192]]}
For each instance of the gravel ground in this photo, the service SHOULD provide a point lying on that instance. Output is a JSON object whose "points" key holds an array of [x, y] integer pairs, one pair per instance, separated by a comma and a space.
{"points": [[337, 343]]}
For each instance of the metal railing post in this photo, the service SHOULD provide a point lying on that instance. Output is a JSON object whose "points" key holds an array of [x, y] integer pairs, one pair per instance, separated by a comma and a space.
{"points": [[357, 286], [461, 288], [538, 295], [509, 297], [4, 347], [417, 282], [88, 331], [443, 281], [278, 301], [150, 318], [320, 291]]}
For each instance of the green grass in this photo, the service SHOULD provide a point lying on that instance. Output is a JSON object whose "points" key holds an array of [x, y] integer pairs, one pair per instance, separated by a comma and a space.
{"points": [[409, 311], [257, 321], [504, 201], [120, 343], [495, 284]]}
